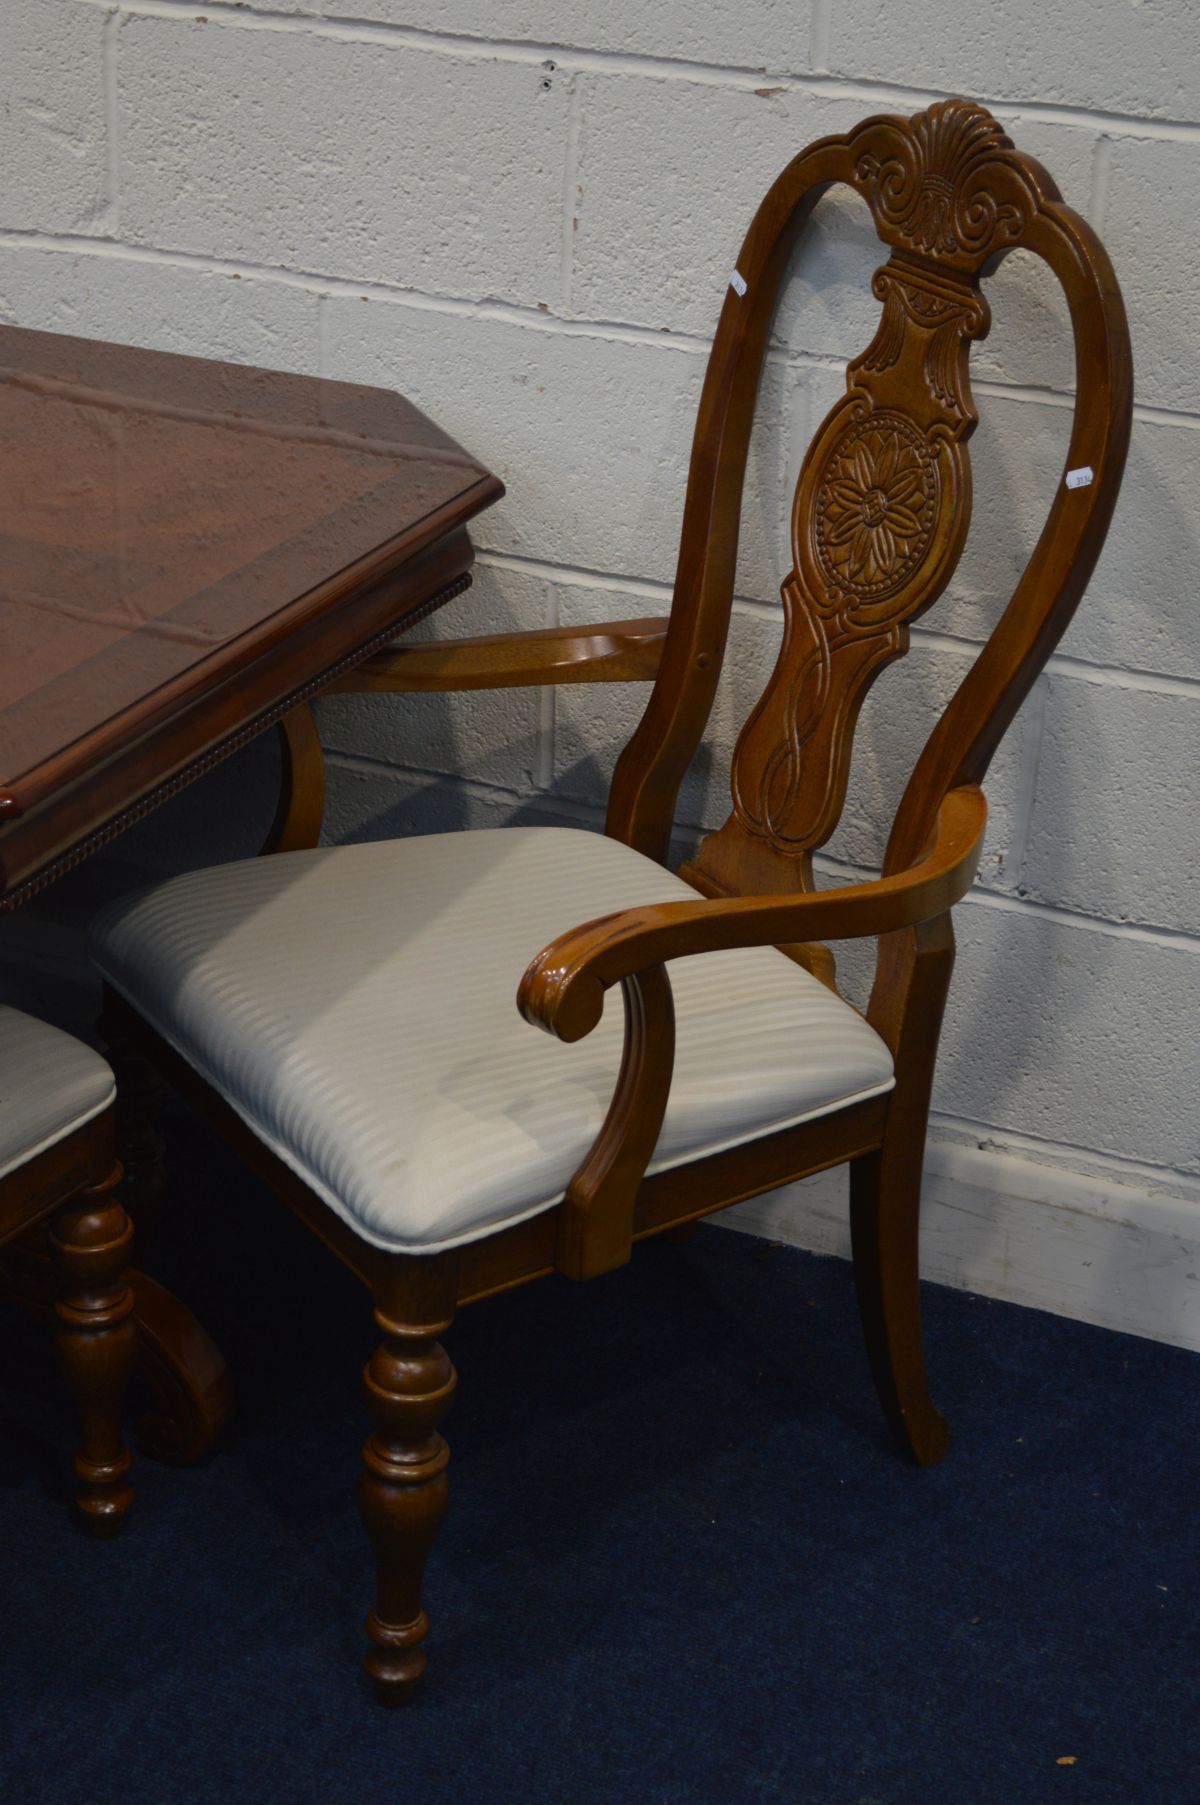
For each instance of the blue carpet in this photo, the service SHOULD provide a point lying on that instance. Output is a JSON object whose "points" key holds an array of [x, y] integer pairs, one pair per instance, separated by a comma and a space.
{"points": [[683, 1563]]}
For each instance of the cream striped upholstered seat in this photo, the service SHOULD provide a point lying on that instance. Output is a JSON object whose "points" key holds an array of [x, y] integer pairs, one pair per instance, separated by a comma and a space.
{"points": [[357, 1007], [50, 1085]]}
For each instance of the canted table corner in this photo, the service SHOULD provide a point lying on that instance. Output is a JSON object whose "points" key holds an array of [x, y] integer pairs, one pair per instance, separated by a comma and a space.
{"points": [[188, 551]]}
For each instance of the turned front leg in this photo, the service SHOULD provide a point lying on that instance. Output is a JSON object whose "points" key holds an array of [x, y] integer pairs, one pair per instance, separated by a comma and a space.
{"points": [[403, 1492], [91, 1238]]}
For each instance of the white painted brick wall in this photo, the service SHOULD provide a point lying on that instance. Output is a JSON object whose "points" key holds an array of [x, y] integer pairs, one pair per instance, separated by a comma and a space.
{"points": [[752, 33], [1053, 1021], [1153, 211], [169, 306], [256, 148], [523, 214], [53, 129], [1133, 854], [592, 431], [666, 265], [1138, 59], [497, 742]]}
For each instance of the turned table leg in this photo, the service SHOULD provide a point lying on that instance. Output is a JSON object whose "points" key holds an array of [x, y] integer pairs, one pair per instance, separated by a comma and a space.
{"points": [[96, 1342], [191, 1388], [403, 1492]]}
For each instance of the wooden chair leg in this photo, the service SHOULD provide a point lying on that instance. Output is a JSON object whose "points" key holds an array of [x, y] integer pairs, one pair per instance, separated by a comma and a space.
{"points": [[403, 1492], [91, 1238], [140, 1097], [885, 1201]]}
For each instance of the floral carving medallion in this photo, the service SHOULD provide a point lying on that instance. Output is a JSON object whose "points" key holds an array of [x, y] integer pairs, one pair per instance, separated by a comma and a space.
{"points": [[876, 507]]}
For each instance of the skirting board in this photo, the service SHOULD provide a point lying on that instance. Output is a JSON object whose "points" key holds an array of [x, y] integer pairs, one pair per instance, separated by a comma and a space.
{"points": [[1120, 1255]]}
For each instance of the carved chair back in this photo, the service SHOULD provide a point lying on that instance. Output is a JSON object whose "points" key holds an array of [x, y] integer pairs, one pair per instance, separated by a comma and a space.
{"points": [[883, 502]]}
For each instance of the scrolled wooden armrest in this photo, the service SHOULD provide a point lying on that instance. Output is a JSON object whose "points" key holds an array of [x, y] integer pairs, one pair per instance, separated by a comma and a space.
{"points": [[563, 989], [620, 651]]}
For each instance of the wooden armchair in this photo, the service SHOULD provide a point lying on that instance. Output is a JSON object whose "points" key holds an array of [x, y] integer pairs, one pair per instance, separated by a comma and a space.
{"points": [[349, 1015]]}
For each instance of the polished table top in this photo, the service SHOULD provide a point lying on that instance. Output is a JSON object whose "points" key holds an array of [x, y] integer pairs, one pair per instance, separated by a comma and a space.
{"points": [[187, 542]]}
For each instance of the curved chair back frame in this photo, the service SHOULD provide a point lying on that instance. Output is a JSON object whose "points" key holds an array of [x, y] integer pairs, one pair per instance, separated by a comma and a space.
{"points": [[883, 502]]}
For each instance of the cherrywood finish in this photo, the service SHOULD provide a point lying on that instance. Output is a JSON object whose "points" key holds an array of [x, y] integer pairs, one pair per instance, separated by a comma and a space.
{"points": [[188, 548], [189, 1384], [621, 651], [69, 1191], [301, 806], [90, 1239], [885, 1197], [595, 1223], [191, 1391], [403, 1493], [880, 515]]}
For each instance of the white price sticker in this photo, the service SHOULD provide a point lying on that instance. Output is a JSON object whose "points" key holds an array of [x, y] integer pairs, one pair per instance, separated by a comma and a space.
{"points": [[1081, 478], [738, 282]]}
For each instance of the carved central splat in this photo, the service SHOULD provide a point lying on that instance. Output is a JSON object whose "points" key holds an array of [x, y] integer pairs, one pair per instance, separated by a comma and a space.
{"points": [[880, 514], [883, 502]]}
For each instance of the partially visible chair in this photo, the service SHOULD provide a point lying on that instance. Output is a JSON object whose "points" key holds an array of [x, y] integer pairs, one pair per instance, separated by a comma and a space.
{"points": [[58, 1165], [348, 1016]]}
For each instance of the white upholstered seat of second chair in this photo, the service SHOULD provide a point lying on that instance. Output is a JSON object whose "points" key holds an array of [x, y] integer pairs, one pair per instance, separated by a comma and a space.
{"points": [[50, 1085], [356, 1006]]}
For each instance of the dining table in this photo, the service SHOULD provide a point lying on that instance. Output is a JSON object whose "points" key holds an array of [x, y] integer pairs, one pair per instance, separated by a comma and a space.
{"points": [[190, 551]]}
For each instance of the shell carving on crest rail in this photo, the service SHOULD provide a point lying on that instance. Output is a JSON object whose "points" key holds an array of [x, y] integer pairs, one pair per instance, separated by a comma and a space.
{"points": [[883, 502], [941, 184]]}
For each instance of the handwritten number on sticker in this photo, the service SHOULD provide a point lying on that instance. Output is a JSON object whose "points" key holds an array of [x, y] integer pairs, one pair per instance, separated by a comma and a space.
{"points": [[1081, 478]]}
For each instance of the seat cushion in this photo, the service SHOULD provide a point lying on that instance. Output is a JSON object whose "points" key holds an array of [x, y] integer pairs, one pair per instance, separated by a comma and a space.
{"points": [[356, 1005], [50, 1084]]}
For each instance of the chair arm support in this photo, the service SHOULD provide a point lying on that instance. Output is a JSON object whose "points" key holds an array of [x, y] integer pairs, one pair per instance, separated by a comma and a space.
{"points": [[563, 989], [620, 651]]}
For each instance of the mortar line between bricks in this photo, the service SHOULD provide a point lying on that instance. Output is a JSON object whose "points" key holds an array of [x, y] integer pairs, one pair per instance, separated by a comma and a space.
{"points": [[938, 639], [1027, 780], [112, 120], [547, 708], [1019, 1144], [348, 288], [1059, 663], [570, 196], [1076, 1159], [1173, 939], [578, 575], [826, 85], [67, 244], [543, 775], [545, 800], [322, 335], [650, 589], [1101, 164], [819, 36], [1156, 683]]}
